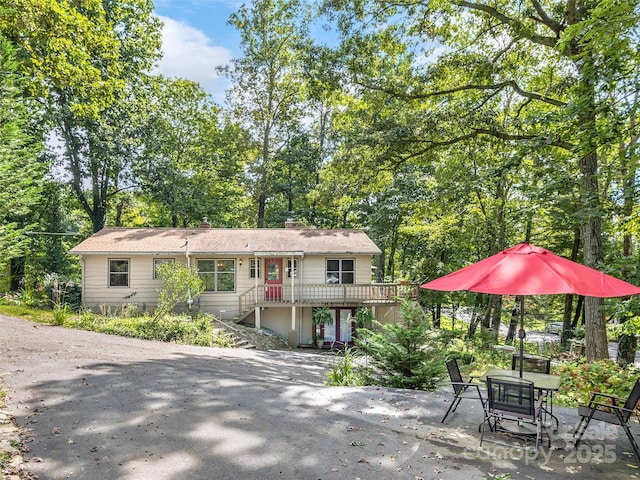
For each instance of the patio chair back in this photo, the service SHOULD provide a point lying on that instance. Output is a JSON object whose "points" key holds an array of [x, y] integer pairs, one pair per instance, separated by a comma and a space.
{"points": [[461, 388], [531, 363], [513, 400], [511, 396], [455, 376], [632, 401]]}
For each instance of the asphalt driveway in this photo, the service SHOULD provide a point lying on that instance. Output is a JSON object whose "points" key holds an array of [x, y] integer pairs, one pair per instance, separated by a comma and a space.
{"points": [[103, 407]]}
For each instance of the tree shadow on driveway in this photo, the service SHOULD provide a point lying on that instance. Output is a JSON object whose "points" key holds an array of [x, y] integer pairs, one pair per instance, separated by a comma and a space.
{"points": [[103, 407]]}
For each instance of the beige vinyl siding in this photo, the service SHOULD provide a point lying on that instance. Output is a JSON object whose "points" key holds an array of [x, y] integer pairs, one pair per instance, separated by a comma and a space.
{"points": [[243, 281], [311, 270], [222, 305], [142, 289]]}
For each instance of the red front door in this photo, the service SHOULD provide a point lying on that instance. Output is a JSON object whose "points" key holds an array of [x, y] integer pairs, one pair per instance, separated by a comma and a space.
{"points": [[273, 279]]}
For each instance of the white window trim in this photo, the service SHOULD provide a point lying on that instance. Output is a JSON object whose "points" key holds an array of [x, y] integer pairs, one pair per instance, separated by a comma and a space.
{"points": [[216, 273], [295, 267], [255, 266], [109, 272], [340, 270]]}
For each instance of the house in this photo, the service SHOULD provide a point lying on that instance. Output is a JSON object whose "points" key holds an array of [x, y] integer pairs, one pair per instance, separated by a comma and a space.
{"points": [[271, 278]]}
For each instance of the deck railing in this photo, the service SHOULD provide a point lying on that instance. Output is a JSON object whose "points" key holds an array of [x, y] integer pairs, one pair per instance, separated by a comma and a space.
{"points": [[325, 294]]}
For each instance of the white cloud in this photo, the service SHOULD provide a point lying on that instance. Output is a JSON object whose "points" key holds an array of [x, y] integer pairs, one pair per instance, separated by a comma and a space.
{"points": [[188, 53]]}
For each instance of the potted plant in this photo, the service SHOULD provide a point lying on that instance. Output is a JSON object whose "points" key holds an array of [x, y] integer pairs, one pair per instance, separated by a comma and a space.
{"points": [[363, 317], [321, 316]]}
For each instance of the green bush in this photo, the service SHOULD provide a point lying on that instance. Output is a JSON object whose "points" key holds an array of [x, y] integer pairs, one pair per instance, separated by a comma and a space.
{"points": [[180, 283], [404, 355], [30, 297], [221, 339], [346, 372], [60, 314], [178, 329], [463, 357], [580, 378]]}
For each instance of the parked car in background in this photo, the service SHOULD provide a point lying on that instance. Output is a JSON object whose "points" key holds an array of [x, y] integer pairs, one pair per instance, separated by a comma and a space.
{"points": [[554, 327]]}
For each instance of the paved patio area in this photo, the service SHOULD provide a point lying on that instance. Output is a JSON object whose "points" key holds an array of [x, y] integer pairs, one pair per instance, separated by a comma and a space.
{"points": [[604, 453]]}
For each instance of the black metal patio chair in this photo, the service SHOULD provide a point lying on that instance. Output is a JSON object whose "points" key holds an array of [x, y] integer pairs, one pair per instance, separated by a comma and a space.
{"points": [[531, 363], [609, 409], [461, 388], [512, 405], [536, 364]]}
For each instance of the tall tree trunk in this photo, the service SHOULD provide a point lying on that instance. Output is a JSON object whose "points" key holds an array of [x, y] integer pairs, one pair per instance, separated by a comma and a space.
{"points": [[568, 299], [494, 301], [263, 180], [437, 316], [496, 318], [628, 344], [579, 312], [473, 323], [119, 208], [391, 260], [594, 321], [513, 323]]}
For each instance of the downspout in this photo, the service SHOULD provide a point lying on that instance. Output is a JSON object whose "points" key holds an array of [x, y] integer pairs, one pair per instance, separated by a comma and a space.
{"points": [[293, 296], [259, 268], [84, 269], [186, 253]]}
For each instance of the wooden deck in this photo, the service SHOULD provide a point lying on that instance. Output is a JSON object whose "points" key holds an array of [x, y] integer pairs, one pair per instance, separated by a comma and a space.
{"points": [[320, 295]]}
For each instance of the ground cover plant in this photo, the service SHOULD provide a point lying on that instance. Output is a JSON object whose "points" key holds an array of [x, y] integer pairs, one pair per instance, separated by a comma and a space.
{"points": [[580, 378], [195, 329]]}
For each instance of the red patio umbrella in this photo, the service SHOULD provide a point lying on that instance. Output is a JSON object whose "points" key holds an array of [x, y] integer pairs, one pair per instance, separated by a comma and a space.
{"points": [[529, 270]]}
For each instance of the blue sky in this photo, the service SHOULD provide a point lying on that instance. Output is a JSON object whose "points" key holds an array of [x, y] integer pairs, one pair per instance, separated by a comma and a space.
{"points": [[197, 39]]}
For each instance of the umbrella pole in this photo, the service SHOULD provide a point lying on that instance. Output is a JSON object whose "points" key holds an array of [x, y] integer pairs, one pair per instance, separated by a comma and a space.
{"points": [[521, 333]]}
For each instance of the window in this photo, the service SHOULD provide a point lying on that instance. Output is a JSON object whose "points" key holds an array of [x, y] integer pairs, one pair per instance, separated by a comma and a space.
{"points": [[254, 268], [157, 262], [118, 273], [217, 275], [292, 271], [340, 271]]}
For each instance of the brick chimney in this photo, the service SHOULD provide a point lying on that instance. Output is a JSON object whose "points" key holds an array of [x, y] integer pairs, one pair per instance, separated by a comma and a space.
{"points": [[205, 223]]}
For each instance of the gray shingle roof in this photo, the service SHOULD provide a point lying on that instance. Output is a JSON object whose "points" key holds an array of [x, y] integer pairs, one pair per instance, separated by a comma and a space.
{"points": [[226, 241]]}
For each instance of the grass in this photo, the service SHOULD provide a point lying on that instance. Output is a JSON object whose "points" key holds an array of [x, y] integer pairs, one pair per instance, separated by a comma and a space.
{"points": [[37, 315]]}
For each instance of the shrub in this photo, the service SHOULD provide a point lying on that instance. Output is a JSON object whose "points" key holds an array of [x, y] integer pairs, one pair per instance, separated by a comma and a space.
{"points": [[221, 338], [346, 372], [580, 378], [30, 297], [179, 284], [60, 313], [463, 357], [63, 290], [404, 356]]}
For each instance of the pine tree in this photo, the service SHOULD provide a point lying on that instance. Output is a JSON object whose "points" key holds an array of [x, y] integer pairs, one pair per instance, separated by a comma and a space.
{"points": [[404, 355]]}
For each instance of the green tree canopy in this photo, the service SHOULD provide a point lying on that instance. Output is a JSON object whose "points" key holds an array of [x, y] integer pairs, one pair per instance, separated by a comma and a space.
{"points": [[21, 169]]}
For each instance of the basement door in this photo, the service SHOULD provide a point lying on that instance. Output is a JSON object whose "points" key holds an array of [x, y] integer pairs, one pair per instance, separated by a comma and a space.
{"points": [[341, 330]]}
